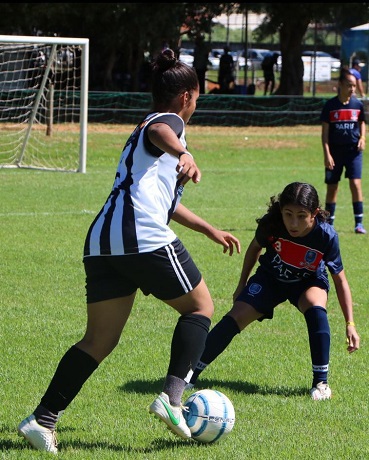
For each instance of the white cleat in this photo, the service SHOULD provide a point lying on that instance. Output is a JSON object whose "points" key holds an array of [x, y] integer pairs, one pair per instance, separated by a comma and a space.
{"points": [[38, 436]]}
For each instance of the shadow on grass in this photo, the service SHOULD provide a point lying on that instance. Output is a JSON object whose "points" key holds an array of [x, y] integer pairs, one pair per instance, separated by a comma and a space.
{"points": [[17, 443], [156, 386], [155, 446]]}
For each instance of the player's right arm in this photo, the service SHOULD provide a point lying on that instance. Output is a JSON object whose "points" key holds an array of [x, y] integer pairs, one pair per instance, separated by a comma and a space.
{"points": [[162, 136], [189, 219], [252, 255], [328, 160]]}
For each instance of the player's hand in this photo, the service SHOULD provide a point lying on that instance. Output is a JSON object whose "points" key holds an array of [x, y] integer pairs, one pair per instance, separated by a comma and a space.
{"points": [[329, 162], [352, 339], [361, 144], [227, 240], [187, 169]]}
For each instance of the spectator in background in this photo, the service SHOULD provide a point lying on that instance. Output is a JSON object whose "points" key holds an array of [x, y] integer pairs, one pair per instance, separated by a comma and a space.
{"points": [[267, 66], [226, 72], [356, 71], [201, 59]]}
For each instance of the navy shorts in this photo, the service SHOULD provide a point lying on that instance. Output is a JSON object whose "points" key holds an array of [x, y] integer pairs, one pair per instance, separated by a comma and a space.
{"points": [[351, 160], [166, 273], [264, 292]]}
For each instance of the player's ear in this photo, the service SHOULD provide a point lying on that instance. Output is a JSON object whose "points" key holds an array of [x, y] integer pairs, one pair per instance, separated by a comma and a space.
{"points": [[186, 97]]}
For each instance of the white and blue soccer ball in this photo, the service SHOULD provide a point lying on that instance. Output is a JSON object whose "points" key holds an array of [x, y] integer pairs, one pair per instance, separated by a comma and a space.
{"points": [[209, 415]]}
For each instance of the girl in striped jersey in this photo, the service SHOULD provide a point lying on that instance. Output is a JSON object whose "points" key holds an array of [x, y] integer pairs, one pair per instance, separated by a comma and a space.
{"points": [[131, 246]]}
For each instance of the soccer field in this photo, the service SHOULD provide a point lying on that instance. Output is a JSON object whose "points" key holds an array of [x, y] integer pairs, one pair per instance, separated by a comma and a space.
{"points": [[266, 370]]}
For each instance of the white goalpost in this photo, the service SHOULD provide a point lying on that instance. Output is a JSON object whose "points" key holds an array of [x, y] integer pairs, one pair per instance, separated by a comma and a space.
{"points": [[43, 102]]}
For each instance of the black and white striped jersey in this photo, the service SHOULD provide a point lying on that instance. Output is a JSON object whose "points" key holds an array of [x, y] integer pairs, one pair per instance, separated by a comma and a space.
{"points": [[146, 191]]}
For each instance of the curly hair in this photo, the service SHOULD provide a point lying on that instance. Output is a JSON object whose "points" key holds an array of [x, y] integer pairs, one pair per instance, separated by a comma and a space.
{"points": [[296, 193]]}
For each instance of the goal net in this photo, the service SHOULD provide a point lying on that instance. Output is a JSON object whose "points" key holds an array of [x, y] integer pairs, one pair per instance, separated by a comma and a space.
{"points": [[43, 102]]}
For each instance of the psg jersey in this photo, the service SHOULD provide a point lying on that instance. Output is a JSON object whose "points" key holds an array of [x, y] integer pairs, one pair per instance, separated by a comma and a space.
{"points": [[344, 120], [292, 259]]}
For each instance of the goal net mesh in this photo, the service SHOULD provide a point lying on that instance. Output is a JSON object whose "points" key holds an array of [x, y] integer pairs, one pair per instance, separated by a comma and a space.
{"points": [[41, 105]]}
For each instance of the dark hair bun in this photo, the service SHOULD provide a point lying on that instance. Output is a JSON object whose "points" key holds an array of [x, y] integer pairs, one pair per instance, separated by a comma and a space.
{"points": [[165, 60]]}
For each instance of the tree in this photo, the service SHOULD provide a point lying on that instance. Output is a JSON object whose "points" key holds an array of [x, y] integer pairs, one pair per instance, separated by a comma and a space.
{"points": [[122, 34], [292, 21]]}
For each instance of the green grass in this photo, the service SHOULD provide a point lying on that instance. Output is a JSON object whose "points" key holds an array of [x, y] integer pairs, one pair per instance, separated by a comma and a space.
{"points": [[266, 371]]}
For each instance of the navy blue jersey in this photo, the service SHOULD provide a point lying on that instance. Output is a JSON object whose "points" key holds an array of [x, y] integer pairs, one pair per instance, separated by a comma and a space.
{"points": [[292, 259], [344, 120]]}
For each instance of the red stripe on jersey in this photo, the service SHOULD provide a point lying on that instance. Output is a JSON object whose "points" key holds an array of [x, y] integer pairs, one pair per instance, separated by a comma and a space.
{"points": [[297, 255], [344, 115]]}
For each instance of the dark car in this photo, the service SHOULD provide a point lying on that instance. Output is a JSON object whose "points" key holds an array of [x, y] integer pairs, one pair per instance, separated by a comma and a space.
{"points": [[254, 57]]}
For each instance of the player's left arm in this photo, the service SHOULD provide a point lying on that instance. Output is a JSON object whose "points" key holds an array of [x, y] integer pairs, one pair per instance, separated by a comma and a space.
{"points": [[361, 143], [343, 292], [187, 218]]}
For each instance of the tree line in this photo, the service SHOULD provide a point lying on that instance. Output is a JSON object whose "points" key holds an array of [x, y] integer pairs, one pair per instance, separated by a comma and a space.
{"points": [[125, 36]]}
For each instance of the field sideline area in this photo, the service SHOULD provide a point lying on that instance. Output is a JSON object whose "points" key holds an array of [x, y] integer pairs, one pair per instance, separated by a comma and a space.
{"points": [[266, 370]]}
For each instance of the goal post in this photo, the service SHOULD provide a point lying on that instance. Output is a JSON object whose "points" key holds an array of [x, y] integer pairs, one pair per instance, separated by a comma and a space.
{"points": [[43, 102]]}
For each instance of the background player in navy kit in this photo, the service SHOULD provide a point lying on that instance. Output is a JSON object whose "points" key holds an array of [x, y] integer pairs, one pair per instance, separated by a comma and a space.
{"points": [[343, 140], [130, 246], [299, 246]]}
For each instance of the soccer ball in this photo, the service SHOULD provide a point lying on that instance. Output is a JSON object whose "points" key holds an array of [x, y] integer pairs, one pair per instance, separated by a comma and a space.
{"points": [[209, 415]]}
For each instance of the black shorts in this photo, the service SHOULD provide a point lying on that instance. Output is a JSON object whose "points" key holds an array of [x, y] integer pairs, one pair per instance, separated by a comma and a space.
{"points": [[264, 292], [166, 273], [351, 160]]}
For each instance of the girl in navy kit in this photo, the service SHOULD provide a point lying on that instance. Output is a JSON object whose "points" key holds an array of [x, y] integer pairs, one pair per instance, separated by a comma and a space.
{"points": [[299, 248], [343, 140]]}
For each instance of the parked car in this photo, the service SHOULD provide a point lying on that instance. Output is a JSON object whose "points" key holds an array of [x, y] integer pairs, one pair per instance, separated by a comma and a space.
{"points": [[186, 56], [254, 57], [334, 62], [214, 58], [279, 60]]}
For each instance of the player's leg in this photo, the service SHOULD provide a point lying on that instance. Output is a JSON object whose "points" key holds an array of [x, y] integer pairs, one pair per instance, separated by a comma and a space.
{"points": [[105, 322], [104, 326], [332, 179], [272, 84], [241, 315], [256, 301], [266, 84], [357, 204], [189, 337], [312, 304], [172, 276], [331, 200], [354, 166]]}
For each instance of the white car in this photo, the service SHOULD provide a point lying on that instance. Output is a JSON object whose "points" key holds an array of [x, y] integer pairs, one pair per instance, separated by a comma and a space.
{"points": [[334, 62], [186, 56], [214, 58]]}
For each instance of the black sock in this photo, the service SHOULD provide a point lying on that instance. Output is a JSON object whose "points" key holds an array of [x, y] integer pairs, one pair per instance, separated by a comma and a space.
{"points": [[358, 208], [331, 208], [174, 388], [73, 370], [319, 340], [45, 417], [188, 343], [217, 341]]}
